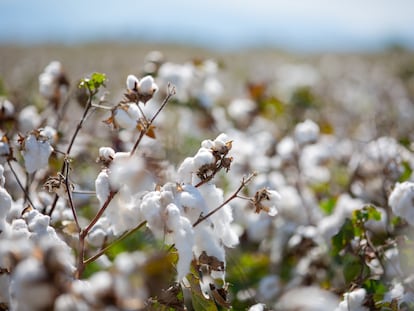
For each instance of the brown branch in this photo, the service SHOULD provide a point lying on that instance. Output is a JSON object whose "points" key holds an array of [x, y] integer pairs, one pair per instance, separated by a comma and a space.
{"points": [[122, 237], [243, 184], [26, 194], [171, 92]]}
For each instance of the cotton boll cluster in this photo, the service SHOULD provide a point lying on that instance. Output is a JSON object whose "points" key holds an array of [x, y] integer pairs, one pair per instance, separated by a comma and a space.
{"points": [[36, 150], [210, 158], [197, 80]]}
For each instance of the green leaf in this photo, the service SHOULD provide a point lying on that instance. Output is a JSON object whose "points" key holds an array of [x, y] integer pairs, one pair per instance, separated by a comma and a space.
{"points": [[343, 237], [327, 205], [352, 267], [376, 288], [406, 173], [94, 82], [200, 303]]}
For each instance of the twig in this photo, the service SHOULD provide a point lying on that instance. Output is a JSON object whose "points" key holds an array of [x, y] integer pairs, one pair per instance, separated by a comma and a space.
{"points": [[69, 193], [243, 184], [72, 141], [122, 237], [26, 194], [171, 93]]}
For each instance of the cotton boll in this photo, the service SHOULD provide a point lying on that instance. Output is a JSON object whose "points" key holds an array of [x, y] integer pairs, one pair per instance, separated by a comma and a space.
{"points": [[222, 219], [28, 289], [70, 302], [185, 171], [6, 108], [353, 301], [102, 186], [306, 132], [127, 170], [242, 111], [286, 148], [151, 211], [126, 116], [269, 287], [106, 154], [309, 298], [5, 203], [183, 235], [4, 151], [132, 83], [50, 133], [19, 230], [192, 202], [36, 153], [258, 307], [147, 86], [29, 119], [401, 201]]}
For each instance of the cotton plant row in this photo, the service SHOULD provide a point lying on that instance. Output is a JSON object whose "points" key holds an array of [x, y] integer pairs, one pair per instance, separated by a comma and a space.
{"points": [[42, 265], [333, 216]]}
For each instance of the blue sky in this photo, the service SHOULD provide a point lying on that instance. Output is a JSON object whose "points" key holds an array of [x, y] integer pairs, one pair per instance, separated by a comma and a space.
{"points": [[301, 25]]}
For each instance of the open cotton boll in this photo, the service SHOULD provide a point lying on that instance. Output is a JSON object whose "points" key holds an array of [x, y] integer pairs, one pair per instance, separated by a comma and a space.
{"points": [[4, 151], [151, 211], [401, 201], [29, 119], [126, 116], [132, 83], [6, 108], [106, 153], [129, 171], [28, 288], [102, 187], [36, 153], [306, 132], [147, 86], [191, 202], [353, 301], [183, 235]]}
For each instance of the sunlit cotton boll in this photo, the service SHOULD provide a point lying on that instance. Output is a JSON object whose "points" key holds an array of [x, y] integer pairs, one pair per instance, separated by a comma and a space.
{"points": [[183, 236], [147, 86], [306, 132], [126, 116], [401, 201], [36, 153], [6, 108], [353, 301], [309, 298], [132, 83]]}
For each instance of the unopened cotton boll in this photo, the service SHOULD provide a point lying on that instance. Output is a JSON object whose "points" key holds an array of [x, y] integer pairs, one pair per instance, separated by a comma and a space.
{"points": [[401, 201], [306, 132]]}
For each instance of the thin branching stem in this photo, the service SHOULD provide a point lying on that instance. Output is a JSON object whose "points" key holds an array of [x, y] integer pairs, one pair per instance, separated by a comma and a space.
{"points": [[122, 237], [69, 193], [72, 141], [26, 194], [170, 93], [235, 194]]}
